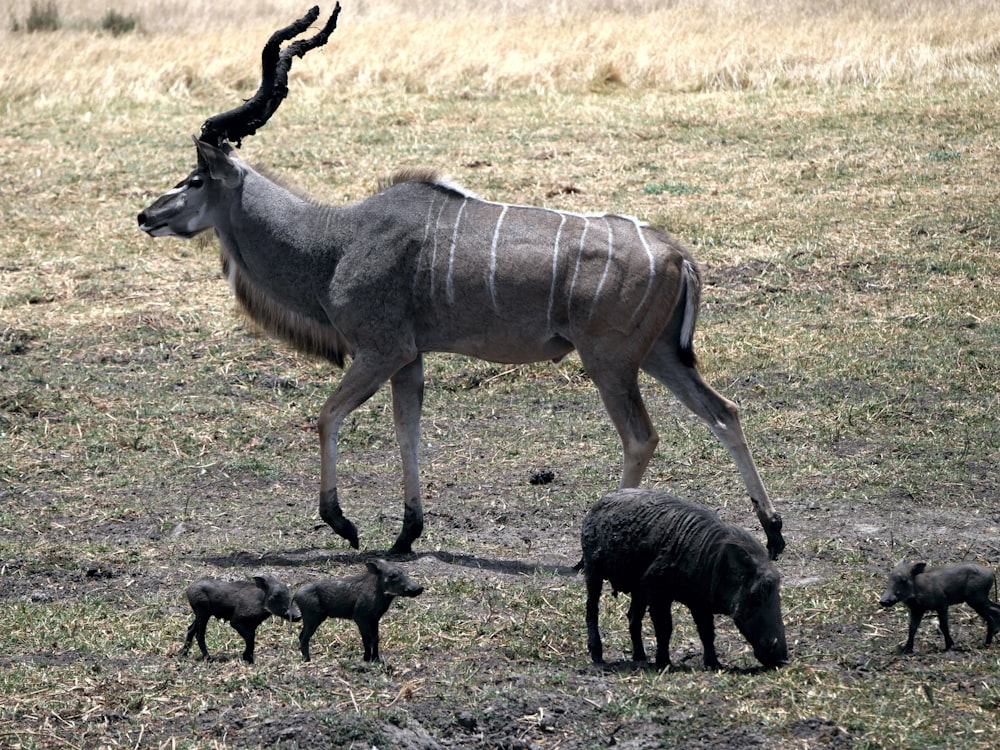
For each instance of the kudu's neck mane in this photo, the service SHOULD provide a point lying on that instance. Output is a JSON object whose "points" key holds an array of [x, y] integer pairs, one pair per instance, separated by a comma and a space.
{"points": [[304, 334], [308, 334]]}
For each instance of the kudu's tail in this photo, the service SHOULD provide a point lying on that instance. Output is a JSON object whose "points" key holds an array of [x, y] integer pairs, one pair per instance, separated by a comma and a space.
{"points": [[691, 289]]}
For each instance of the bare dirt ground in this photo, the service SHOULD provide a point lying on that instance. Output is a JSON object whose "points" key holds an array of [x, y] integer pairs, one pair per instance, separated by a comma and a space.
{"points": [[500, 540], [843, 206]]}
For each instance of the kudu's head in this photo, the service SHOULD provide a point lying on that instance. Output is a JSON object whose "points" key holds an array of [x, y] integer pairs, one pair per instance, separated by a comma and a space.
{"points": [[201, 200]]}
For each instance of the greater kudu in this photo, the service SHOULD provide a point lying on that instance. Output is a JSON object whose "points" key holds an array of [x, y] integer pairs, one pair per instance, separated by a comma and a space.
{"points": [[425, 266]]}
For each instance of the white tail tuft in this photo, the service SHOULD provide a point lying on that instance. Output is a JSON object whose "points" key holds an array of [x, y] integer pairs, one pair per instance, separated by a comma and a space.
{"points": [[689, 278]]}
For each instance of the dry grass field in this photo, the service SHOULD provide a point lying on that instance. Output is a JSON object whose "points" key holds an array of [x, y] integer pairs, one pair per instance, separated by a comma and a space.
{"points": [[832, 165]]}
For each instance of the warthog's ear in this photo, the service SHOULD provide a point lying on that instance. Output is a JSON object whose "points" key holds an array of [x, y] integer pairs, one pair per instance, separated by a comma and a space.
{"points": [[375, 566], [758, 589], [918, 568], [764, 586]]}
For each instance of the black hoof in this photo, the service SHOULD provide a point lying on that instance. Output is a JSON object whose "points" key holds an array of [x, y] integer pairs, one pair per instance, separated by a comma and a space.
{"points": [[775, 541], [413, 527], [329, 511], [401, 547]]}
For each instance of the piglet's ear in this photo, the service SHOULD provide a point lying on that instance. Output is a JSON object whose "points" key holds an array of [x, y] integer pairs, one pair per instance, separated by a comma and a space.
{"points": [[372, 567], [262, 582], [918, 568]]}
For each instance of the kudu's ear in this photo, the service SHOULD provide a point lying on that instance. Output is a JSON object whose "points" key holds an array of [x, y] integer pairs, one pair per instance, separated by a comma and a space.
{"points": [[219, 164]]}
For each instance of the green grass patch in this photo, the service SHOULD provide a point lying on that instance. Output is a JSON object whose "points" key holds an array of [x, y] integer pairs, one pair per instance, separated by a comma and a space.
{"points": [[848, 232]]}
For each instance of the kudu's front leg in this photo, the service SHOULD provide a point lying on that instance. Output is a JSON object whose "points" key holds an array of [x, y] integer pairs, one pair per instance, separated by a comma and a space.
{"points": [[407, 400], [360, 382]]}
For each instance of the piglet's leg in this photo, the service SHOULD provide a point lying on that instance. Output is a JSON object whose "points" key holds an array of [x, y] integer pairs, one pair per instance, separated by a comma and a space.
{"points": [[197, 630], [942, 614], [369, 637], [916, 615], [309, 624], [374, 642], [993, 620], [985, 610], [189, 638], [248, 632], [636, 611]]}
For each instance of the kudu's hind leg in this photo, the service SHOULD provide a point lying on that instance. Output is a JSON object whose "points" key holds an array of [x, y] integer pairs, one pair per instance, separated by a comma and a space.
{"points": [[360, 382], [619, 390], [407, 399], [723, 419]]}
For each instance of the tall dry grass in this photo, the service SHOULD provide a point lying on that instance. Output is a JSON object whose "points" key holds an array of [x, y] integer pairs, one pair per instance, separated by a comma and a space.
{"points": [[496, 45]]}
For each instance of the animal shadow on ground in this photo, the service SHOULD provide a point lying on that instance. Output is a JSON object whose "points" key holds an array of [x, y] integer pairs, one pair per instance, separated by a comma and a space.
{"points": [[310, 556]]}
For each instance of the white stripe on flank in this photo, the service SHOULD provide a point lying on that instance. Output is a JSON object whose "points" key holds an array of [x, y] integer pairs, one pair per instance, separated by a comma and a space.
{"points": [[451, 253], [427, 224], [423, 244], [434, 247], [493, 257], [652, 268], [607, 268], [579, 259], [555, 266]]}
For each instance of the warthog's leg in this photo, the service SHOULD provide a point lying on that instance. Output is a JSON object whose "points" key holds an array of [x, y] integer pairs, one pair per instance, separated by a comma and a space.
{"points": [[663, 628], [704, 620], [636, 611], [594, 585], [985, 609]]}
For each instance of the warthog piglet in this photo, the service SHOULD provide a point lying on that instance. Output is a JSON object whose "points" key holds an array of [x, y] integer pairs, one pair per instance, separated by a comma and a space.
{"points": [[921, 588], [662, 549], [245, 604], [363, 598]]}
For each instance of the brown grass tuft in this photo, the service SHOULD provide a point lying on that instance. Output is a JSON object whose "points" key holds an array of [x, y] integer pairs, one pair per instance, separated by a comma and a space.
{"points": [[831, 164], [690, 45]]}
